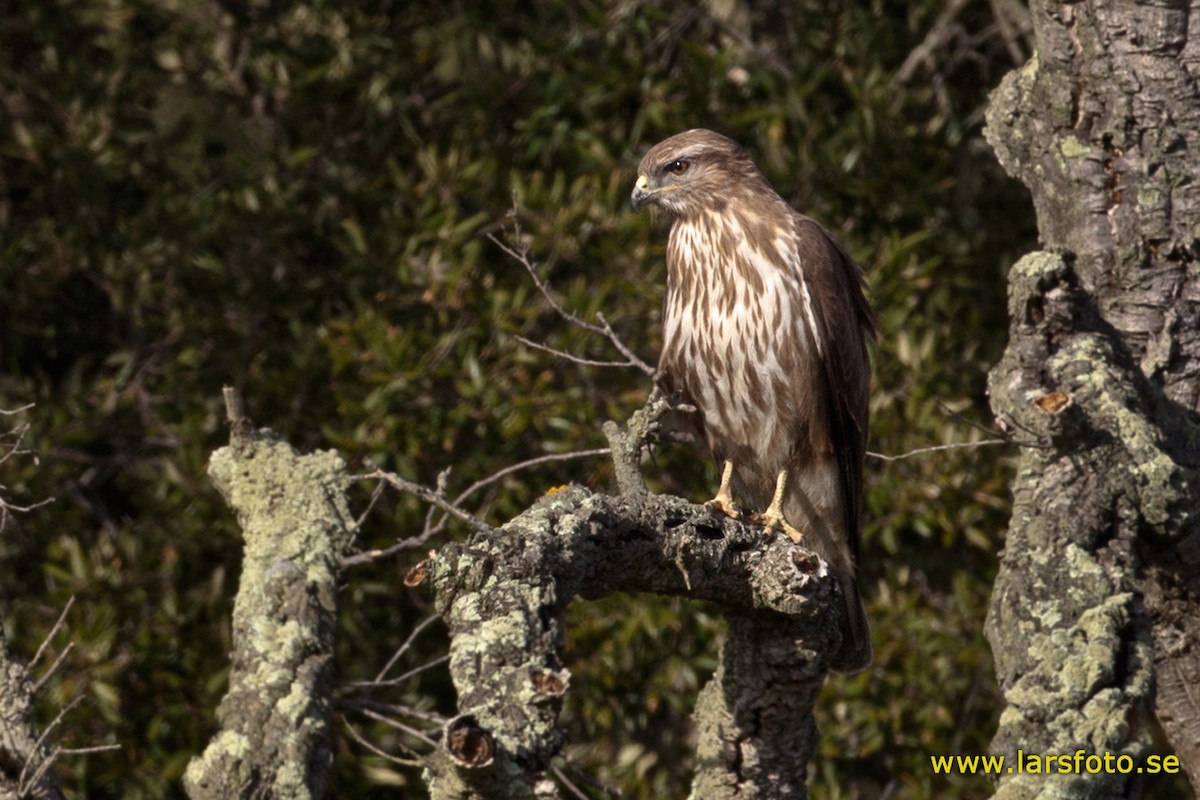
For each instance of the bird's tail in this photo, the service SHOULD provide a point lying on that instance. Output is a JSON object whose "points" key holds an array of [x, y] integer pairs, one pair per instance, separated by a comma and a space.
{"points": [[855, 652], [814, 505]]}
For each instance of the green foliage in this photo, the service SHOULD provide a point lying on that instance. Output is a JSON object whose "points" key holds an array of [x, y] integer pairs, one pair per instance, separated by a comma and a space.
{"points": [[293, 198]]}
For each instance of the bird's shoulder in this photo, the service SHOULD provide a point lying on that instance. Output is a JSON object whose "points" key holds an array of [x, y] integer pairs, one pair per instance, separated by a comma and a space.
{"points": [[827, 263]]}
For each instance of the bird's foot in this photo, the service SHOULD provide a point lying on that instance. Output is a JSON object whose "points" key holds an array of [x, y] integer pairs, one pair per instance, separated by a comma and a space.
{"points": [[772, 520], [723, 504]]}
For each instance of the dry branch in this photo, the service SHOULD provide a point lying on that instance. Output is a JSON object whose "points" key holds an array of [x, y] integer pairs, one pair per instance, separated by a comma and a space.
{"points": [[23, 751], [275, 738], [502, 595]]}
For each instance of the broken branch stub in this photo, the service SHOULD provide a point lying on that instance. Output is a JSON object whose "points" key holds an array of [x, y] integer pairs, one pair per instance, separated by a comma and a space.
{"points": [[275, 736]]}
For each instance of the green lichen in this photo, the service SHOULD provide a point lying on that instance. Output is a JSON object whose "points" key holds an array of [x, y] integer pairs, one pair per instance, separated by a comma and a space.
{"points": [[1085, 370], [1073, 148]]}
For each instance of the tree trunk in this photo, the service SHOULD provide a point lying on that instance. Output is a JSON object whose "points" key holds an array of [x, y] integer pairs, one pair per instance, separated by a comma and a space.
{"points": [[1094, 620]]}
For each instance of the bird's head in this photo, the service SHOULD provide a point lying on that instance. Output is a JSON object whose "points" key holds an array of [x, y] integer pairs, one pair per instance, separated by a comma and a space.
{"points": [[692, 172]]}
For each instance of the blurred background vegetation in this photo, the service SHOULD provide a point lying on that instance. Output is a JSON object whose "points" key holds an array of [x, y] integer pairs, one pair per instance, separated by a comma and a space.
{"points": [[294, 198]]}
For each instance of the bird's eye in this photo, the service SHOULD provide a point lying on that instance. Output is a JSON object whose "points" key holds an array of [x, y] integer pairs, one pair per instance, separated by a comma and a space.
{"points": [[677, 167]]}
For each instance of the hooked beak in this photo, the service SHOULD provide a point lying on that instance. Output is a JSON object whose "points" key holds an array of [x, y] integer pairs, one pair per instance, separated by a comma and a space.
{"points": [[642, 193]]}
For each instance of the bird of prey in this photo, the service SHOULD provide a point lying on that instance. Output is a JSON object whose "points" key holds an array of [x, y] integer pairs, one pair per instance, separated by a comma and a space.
{"points": [[764, 332]]}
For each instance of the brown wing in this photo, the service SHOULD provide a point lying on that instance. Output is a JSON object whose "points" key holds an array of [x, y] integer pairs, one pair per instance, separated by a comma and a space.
{"points": [[844, 322]]}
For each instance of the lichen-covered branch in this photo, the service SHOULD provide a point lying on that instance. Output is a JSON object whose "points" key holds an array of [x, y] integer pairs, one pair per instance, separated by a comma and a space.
{"points": [[501, 596], [1069, 635], [1098, 592], [274, 738], [627, 441], [754, 720], [25, 757]]}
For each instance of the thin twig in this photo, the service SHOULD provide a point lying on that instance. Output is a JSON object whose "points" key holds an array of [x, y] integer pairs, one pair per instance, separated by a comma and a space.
{"points": [[432, 530], [400, 726], [425, 623], [46, 641], [358, 704], [399, 680], [376, 493], [964, 419], [404, 762], [83, 751], [1013, 35], [23, 509], [430, 496], [574, 359], [939, 33], [935, 448], [415, 671], [43, 767], [530, 462], [8, 412], [412, 543], [603, 329], [607, 791], [37, 746], [37, 686], [619, 343], [565, 781]]}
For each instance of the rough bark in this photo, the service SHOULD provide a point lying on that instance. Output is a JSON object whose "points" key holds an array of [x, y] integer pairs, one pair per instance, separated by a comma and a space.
{"points": [[754, 719], [501, 595], [1094, 614], [25, 757], [275, 738]]}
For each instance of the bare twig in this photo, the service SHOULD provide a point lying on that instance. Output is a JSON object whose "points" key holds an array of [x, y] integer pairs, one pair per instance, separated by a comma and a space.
{"points": [[565, 781], [37, 686], [376, 493], [618, 343], [939, 33], [8, 412], [574, 359], [399, 680], [935, 448], [531, 462], [83, 751], [39, 769], [358, 704], [1015, 25], [521, 256], [432, 529], [607, 791], [963, 418], [433, 496], [46, 641], [425, 623], [12, 442], [404, 762], [24, 785], [400, 726], [24, 509]]}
